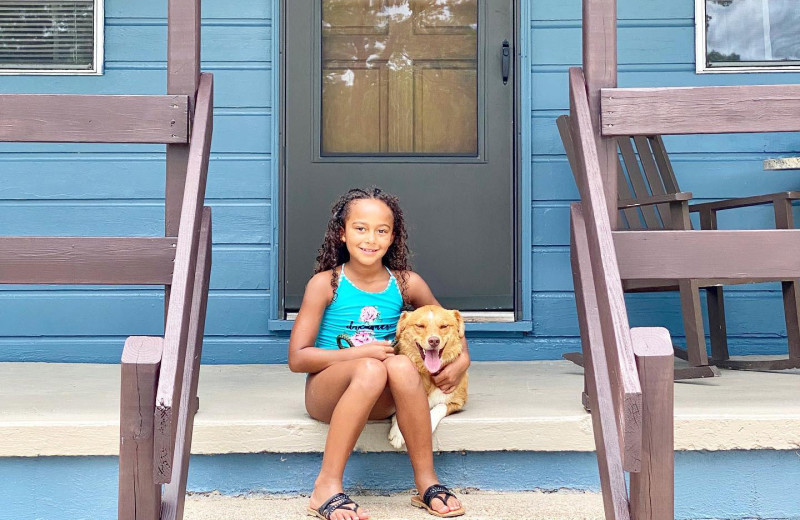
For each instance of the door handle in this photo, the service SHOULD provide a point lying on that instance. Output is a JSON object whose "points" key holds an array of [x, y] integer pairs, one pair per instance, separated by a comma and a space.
{"points": [[506, 61]]}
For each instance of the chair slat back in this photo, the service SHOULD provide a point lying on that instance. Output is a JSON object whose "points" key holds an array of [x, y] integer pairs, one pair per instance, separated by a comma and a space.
{"points": [[638, 182], [654, 175], [664, 165], [631, 217]]}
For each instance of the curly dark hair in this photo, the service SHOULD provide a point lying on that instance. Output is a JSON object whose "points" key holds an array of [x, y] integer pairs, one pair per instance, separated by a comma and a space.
{"points": [[333, 252]]}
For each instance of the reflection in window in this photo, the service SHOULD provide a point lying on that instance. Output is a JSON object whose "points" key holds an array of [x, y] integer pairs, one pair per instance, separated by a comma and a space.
{"points": [[752, 33], [399, 77]]}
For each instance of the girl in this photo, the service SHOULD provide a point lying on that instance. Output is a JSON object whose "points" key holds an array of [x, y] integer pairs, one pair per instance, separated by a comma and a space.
{"points": [[362, 281]]}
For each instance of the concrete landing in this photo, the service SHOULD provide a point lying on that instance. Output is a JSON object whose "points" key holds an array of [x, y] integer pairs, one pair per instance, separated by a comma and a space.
{"points": [[480, 505], [73, 409]]}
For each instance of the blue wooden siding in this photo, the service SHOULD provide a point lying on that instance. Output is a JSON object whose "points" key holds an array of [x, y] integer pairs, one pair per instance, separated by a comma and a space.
{"points": [[656, 48], [118, 190]]}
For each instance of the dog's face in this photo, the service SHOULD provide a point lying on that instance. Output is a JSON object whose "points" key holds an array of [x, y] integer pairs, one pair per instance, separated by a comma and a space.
{"points": [[431, 336]]}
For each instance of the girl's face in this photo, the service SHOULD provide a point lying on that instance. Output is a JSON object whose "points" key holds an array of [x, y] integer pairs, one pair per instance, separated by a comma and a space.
{"points": [[368, 231]]}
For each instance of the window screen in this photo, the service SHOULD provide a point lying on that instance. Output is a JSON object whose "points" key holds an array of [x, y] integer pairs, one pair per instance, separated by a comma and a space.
{"points": [[49, 36]]}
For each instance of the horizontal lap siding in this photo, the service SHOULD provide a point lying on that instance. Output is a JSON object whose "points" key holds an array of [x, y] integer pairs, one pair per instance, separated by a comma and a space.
{"points": [[118, 189], [112, 189], [656, 48]]}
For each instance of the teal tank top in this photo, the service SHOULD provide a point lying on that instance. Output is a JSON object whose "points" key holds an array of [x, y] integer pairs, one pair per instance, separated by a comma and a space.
{"points": [[363, 316]]}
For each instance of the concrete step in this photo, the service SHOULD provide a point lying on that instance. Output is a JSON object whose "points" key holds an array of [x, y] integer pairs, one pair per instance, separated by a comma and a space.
{"points": [[480, 505], [73, 410]]}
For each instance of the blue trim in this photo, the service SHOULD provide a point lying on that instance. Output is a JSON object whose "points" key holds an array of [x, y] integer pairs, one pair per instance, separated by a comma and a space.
{"points": [[526, 157], [516, 326]]}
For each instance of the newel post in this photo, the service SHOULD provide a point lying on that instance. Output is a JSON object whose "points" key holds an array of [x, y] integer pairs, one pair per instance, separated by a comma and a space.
{"points": [[600, 70]]}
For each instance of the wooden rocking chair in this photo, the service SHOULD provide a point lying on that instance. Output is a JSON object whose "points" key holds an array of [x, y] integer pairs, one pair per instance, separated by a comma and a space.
{"points": [[159, 374], [650, 199]]}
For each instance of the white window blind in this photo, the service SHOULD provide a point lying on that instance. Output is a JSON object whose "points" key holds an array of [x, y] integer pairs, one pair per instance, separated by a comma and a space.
{"points": [[48, 36]]}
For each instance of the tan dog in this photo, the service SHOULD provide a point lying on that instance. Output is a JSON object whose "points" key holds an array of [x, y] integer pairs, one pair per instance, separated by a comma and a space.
{"points": [[431, 337]]}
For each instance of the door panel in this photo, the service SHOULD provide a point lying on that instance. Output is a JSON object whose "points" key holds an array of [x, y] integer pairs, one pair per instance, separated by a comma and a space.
{"points": [[406, 95]]}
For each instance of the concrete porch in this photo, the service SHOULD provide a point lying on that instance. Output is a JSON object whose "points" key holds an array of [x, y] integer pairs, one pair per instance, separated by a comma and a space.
{"points": [[736, 436]]}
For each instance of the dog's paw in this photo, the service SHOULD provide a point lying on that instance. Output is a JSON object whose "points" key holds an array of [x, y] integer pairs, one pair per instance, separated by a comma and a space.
{"points": [[395, 436]]}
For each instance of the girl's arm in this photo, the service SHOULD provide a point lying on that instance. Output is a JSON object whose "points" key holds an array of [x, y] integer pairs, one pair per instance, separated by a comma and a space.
{"points": [[303, 355], [420, 294]]}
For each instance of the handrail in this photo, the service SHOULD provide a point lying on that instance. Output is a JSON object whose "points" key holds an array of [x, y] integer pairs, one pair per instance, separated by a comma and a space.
{"points": [[626, 390], [176, 330], [596, 373]]}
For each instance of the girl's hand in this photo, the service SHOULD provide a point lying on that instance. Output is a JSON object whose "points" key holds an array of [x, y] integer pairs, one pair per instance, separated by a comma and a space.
{"points": [[379, 350], [449, 377]]}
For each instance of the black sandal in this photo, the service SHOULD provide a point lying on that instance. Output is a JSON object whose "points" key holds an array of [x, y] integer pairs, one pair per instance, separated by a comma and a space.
{"points": [[442, 493], [337, 501]]}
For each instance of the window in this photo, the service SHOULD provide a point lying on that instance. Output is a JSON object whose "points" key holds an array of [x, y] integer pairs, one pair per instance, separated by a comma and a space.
{"points": [[747, 35], [51, 37]]}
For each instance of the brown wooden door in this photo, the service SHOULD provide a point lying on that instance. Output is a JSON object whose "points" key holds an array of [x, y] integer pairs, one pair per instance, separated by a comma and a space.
{"points": [[408, 95]]}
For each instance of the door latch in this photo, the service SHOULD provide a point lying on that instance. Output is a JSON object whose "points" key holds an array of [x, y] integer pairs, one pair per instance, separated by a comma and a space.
{"points": [[506, 61]]}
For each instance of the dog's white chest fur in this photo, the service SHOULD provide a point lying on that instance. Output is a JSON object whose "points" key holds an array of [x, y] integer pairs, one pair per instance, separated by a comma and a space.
{"points": [[437, 397]]}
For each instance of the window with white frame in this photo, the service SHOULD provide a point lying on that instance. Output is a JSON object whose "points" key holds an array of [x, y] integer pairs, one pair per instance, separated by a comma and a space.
{"points": [[747, 35], [51, 37]]}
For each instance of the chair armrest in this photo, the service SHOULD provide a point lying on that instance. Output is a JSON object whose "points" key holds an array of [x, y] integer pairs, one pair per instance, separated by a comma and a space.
{"points": [[744, 201], [653, 200]]}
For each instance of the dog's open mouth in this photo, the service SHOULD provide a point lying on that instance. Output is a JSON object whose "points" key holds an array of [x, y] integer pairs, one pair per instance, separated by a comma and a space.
{"points": [[431, 358]]}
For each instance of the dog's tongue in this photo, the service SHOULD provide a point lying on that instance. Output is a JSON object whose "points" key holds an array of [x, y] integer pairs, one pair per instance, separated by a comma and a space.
{"points": [[432, 361]]}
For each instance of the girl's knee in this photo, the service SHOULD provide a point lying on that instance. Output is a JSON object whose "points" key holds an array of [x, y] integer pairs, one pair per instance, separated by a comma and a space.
{"points": [[401, 368], [370, 373]]}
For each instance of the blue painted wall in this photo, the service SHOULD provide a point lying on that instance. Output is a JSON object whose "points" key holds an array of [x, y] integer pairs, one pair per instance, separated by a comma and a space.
{"points": [[118, 190], [732, 485]]}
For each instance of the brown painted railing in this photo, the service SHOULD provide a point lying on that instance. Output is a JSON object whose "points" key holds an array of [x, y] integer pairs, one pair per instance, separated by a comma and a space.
{"points": [[628, 372], [160, 375], [176, 331]]}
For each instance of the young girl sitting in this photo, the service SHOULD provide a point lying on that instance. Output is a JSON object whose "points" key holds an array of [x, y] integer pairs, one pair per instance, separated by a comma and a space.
{"points": [[362, 282]]}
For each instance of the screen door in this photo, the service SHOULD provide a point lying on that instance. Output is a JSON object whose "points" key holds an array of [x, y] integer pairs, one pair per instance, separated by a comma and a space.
{"points": [[415, 97]]}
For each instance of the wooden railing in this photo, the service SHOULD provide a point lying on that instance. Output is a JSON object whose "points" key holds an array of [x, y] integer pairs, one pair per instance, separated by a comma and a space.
{"points": [[629, 373], [164, 393], [159, 375], [176, 331]]}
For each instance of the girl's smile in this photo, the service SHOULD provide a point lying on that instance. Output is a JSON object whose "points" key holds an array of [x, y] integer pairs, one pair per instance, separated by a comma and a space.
{"points": [[368, 231]]}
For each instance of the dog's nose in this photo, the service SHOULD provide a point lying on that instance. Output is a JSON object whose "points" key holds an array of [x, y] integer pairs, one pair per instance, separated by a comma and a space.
{"points": [[433, 341]]}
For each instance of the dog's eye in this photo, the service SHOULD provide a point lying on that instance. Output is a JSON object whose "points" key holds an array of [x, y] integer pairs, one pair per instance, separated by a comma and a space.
{"points": [[443, 326], [419, 326]]}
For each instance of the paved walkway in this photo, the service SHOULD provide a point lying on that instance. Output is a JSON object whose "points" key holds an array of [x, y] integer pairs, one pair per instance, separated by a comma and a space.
{"points": [[481, 505]]}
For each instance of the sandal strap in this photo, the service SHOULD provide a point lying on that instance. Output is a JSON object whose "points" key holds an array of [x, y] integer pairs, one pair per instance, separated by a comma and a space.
{"points": [[337, 501], [434, 491]]}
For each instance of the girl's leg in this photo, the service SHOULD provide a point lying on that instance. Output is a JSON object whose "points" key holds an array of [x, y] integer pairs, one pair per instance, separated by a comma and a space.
{"points": [[414, 420], [342, 395]]}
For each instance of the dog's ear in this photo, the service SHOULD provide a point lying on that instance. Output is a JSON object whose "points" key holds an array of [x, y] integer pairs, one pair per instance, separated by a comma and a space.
{"points": [[459, 323], [401, 323]]}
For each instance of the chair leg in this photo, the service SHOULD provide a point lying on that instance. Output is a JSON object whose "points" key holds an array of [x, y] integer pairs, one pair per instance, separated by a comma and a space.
{"points": [[693, 322], [716, 323], [791, 298], [784, 219]]}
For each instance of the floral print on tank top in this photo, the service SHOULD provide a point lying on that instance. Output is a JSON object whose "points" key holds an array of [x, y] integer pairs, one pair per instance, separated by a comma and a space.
{"points": [[364, 330]]}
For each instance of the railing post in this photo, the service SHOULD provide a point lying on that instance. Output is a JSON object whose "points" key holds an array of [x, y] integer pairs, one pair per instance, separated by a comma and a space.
{"points": [[139, 496], [652, 489], [600, 68]]}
